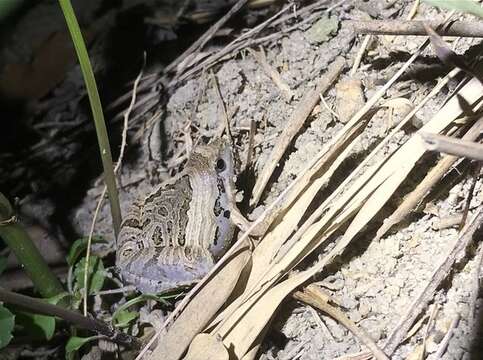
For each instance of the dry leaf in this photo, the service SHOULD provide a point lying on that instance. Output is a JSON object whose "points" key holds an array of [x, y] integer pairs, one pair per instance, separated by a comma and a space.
{"points": [[202, 308], [366, 196], [206, 346]]}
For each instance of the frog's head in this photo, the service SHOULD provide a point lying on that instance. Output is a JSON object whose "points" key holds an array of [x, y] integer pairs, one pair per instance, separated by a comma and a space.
{"points": [[215, 156]]}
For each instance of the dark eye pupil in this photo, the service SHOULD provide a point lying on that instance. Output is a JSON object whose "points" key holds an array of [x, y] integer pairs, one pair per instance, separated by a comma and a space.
{"points": [[220, 165]]}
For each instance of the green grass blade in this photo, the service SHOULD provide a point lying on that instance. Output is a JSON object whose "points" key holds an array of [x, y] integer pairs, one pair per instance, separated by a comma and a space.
{"points": [[97, 113]]}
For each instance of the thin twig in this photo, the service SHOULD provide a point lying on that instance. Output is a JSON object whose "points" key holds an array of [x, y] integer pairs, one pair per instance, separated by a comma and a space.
{"points": [[313, 296], [361, 355], [430, 180], [439, 274], [251, 139], [471, 191], [222, 107], [444, 343], [367, 40], [273, 74], [295, 123], [413, 10], [198, 44], [227, 49], [141, 104], [475, 288], [104, 190], [401, 27], [434, 312], [295, 352], [360, 54], [452, 146], [147, 81], [324, 330], [447, 221], [40, 307]]}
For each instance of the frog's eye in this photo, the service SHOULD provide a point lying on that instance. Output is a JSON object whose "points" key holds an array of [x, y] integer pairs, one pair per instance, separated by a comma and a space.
{"points": [[220, 165]]}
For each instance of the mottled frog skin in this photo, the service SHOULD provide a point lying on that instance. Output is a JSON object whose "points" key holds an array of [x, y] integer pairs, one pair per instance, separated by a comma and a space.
{"points": [[174, 237]]}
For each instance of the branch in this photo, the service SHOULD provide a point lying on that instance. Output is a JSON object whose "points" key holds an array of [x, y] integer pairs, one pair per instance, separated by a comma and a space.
{"points": [[401, 27], [452, 146], [40, 307]]}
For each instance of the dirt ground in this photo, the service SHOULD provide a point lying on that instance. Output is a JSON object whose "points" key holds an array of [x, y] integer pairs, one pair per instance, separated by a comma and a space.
{"points": [[374, 282]]}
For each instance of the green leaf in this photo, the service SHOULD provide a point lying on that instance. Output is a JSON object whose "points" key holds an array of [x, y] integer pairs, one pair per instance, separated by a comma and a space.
{"points": [[467, 6], [95, 274], [54, 300], [41, 326], [7, 321], [3, 264], [75, 343], [76, 300], [141, 298], [79, 246], [125, 317], [46, 323], [37, 325]]}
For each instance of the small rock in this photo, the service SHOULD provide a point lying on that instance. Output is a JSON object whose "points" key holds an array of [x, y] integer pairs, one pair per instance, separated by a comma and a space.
{"points": [[393, 290], [364, 308], [348, 302], [335, 329], [355, 316], [322, 29], [349, 98]]}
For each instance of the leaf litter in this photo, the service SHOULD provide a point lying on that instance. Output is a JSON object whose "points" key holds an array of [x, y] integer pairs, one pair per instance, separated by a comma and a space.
{"points": [[284, 258]]}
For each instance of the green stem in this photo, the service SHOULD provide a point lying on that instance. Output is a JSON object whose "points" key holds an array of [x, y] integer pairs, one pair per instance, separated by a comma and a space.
{"points": [[97, 113], [26, 252]]}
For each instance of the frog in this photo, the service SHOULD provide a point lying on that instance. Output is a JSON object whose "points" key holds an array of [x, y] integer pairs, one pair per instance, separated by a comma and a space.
{"points": [[175, 235]]}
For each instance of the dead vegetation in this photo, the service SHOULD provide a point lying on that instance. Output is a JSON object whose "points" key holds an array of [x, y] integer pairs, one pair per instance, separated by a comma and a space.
{"points": [[346, 210]]}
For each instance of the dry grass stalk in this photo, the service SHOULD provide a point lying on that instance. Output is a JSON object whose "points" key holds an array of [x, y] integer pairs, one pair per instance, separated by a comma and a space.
{"points": [[295, 123], [273, 74], [452, 146], [431, 179], [198, 44], [440, 273], [365, 197], [245, 319], [207, 302], [312, 295], [444, 343], [405, 28]]}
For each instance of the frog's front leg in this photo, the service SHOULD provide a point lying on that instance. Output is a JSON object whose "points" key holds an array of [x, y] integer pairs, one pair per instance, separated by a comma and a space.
{"points": [[244, 224], [236, 217]]}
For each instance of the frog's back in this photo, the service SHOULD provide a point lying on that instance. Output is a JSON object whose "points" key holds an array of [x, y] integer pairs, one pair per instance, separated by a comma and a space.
{"points": [[176, 234]]}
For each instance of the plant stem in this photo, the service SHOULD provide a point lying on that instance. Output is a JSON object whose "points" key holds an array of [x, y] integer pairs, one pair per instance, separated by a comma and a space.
{"points": [[40, 307], [26, 252], [97, 112]]}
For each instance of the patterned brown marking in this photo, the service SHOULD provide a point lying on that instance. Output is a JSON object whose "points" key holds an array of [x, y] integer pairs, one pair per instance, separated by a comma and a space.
{"points": [[158, 236], [146, 222], [174, 229], [140, 244], [131, 222], [163, 211], [127, 252]]}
